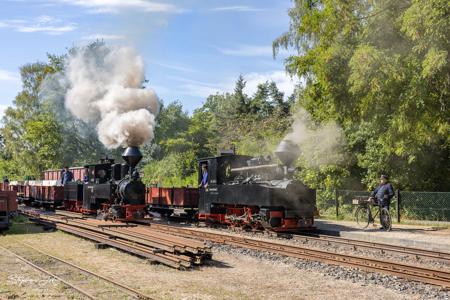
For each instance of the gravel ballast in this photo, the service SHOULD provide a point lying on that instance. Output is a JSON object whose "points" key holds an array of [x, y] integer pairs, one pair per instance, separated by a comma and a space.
{"points": [[424, 291]]}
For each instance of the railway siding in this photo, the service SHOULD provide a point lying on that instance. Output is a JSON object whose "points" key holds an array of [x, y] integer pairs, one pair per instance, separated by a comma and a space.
{"points": [[410, 272], [88, 284]]}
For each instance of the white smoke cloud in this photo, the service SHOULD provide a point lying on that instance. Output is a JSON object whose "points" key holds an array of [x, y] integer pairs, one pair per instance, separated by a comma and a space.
{"points": [[319, 145], [105, 88]]}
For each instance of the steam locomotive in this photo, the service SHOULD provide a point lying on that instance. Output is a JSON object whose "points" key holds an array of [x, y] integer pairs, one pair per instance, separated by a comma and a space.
{"points": [[111, 190], [242, 191], [256, 193]]}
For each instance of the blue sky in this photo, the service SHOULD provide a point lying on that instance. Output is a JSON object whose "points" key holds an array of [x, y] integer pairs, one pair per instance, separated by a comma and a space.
{"points": [[191, 48]]}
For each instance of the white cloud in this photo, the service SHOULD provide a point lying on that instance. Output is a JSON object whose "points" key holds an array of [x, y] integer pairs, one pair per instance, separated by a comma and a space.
{"points": [[173, 66], [241, 8], [197, 88], [44, 24], [8, 76], [105, 37], [247, 50], [117, 6], [251, 51], [284, 82]]}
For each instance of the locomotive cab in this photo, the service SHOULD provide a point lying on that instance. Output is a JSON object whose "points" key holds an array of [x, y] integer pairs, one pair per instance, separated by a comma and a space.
{"points": [[98, 188]]}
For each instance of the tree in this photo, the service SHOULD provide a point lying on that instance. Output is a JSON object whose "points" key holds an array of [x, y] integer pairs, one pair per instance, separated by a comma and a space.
{"points": [[240, 97], [32, 136], [381, 70], [38, 132]]}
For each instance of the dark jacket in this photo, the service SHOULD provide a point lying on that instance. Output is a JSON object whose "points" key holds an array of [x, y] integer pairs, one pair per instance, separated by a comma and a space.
{"points": [[66, 176], [383, 191], [204, 179]]}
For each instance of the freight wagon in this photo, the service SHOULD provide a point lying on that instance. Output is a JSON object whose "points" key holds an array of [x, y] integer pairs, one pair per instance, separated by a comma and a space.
{"points": [[8, 207]]}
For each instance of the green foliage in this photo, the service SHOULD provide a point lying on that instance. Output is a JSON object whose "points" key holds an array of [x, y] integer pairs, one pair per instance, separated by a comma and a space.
{"points": [[381, 70], [176, 169], [252, 125], [32, 136], [38, 133], [42, 135], [378, 69]]}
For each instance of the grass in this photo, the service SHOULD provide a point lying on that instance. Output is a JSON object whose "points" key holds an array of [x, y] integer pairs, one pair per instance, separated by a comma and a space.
{"points": [[23, 226]]}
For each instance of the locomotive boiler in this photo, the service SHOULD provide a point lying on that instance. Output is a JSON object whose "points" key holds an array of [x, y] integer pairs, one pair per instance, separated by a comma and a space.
{"points": [[256, 193]]}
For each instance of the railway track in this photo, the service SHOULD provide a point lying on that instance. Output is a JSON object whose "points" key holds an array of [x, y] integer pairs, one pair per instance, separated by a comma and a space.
{"points": [[321, 238], [416, 252], [73, 276], [410, 272], [141, 234]]}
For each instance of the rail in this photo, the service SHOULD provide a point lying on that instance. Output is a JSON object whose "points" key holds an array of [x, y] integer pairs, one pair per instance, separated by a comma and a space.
{"points": [[410, 272], [443, 256]]}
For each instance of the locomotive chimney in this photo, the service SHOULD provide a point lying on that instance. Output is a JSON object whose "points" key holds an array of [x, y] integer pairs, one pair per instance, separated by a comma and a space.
{"points": [[132, 156], [287, 152]]}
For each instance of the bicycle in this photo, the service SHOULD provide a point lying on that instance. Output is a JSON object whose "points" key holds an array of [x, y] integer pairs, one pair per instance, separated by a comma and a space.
{"points": [[364, 215]]}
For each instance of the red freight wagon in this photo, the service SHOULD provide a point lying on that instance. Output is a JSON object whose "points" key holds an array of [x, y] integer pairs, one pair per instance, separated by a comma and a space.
{"points": [[55, 193], [52, 175], [48, 194], [8, 204], [78, 174], [166, 200]]}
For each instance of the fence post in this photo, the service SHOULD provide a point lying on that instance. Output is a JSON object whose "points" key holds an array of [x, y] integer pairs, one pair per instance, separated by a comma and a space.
{"points": [[398, 204], [336, 200]]}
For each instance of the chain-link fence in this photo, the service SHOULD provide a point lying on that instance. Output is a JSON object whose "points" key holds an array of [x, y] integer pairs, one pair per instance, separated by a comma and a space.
{"points": [[430, 206], [406, 205]]}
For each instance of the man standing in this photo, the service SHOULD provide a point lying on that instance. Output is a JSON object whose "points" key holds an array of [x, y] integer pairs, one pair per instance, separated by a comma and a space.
{"points": [[384, 192], [204, 182], [66, 175]]}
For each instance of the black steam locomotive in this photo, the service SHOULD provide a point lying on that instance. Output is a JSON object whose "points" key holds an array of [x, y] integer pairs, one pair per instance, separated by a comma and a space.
{"points": [[255, 193], [112, 191]]}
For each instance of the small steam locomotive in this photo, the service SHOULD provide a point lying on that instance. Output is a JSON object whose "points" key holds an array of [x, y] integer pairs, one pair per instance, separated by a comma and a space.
{"points": [[112, 191], [255, 193]]}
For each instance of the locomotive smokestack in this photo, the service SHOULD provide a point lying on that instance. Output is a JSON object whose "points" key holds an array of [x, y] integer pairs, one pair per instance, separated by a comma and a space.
{"points": [[132, 156], [287, 152]]}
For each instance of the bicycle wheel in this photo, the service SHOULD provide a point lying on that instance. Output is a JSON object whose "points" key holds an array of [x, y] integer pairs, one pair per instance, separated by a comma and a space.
{"points": [[385, 219], [363, 216]]}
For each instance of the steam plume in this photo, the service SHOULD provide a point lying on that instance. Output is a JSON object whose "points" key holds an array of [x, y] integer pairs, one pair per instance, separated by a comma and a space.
{"points": [[105, 88], [319, 145]]}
